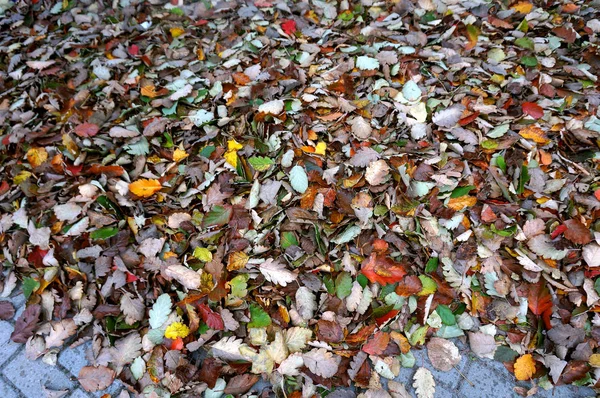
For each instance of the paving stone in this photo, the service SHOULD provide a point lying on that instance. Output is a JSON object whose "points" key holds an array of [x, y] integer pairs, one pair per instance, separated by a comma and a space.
{"points": [[79, 393], [29, 376], [7, 391], [487, 382], [73, 359], [7, 347]]}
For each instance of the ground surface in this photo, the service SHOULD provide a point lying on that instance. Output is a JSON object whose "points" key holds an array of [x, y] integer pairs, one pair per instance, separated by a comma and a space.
{"points": [[20, 377]]}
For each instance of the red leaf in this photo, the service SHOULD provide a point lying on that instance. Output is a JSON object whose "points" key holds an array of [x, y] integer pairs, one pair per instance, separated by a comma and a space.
{"points": [[382, 270], [466, 120], [532, 109], [177, 344], [289, 26], [559, 230], [377, 344], [212, 319], [539, 298], [133, 50], [87, 130], [383, 319]]}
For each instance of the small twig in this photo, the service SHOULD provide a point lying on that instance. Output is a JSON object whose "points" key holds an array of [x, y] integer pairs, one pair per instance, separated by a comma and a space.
{"points": [[464, 377]]}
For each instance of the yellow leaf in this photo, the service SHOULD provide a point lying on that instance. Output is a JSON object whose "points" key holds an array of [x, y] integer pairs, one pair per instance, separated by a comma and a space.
{"points": [[70, 144], [321, 148], [233, 145], [36, 156], [149, 91], [595, 360], [179, 155], [203, 254], [462, 202], [177, 329], [21, 177], [523, 7], [237, 260], [534, 133], [524, 367], [231, 158], [176, 32], [145, 188]]}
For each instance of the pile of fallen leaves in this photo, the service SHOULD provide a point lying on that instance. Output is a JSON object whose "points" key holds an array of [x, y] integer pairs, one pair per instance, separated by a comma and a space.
{"points": [[215, 192]]}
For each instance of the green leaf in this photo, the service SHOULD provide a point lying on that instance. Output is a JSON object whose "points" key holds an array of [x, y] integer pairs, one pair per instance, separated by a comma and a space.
{"points": [[525, 42], [138, 148], [461, 191], [446, 314], [432, 265], [418, 337], [260, 163], [203, 254], [288, 238], [160, 311], [597, 285], [207, 151], [104, 233], [501, 163], [366, 63], [217, 216], [362, 280], [299, 179], [343, 285], [523, 179], [429, 285], [489, 144], [259, 317], [505, 354], [239, 285], [529, 60], [30, 285], [329, 284]]}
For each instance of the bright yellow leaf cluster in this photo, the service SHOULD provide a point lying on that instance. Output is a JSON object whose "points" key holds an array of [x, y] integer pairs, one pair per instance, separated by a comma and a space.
{"points": [[36, 156], [179, 155], [524, 367], [177, 329], [231, 155]]}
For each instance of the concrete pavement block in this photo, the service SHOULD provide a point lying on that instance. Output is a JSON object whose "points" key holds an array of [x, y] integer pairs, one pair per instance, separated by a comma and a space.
{"points": [[7, 347], [29, 376]]}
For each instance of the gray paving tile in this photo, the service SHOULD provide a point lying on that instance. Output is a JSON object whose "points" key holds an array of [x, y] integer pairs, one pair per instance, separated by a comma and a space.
{"points": [[29, 376], [485, 381], [7, 391], [7, 347], [73, 359], [79, 393]]}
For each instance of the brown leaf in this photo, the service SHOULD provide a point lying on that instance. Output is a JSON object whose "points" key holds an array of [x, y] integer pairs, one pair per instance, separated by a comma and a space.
{"points": [[87, 130], [577, 232], [409, 286], [329, 331], [240, 384], [26, 324], [210, 371], [443, 354], [95, 378], [7, 310]]}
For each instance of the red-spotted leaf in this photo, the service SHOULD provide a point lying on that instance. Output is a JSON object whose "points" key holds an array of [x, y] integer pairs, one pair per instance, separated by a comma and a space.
{"points": [[532, 109]]}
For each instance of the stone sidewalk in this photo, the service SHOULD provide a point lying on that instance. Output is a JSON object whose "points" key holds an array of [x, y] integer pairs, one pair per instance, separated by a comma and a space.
{"points": [[23, 378]]}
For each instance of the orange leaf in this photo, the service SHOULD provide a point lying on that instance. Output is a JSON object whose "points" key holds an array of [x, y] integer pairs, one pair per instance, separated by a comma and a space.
{"points": [[377, 344], [534, 133], [149, 91], [523, 7], [145, 188], [109, 171], [539, 298], [461, 202], [36, 156], [382, 270], [473, 36], [524, 367]]}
